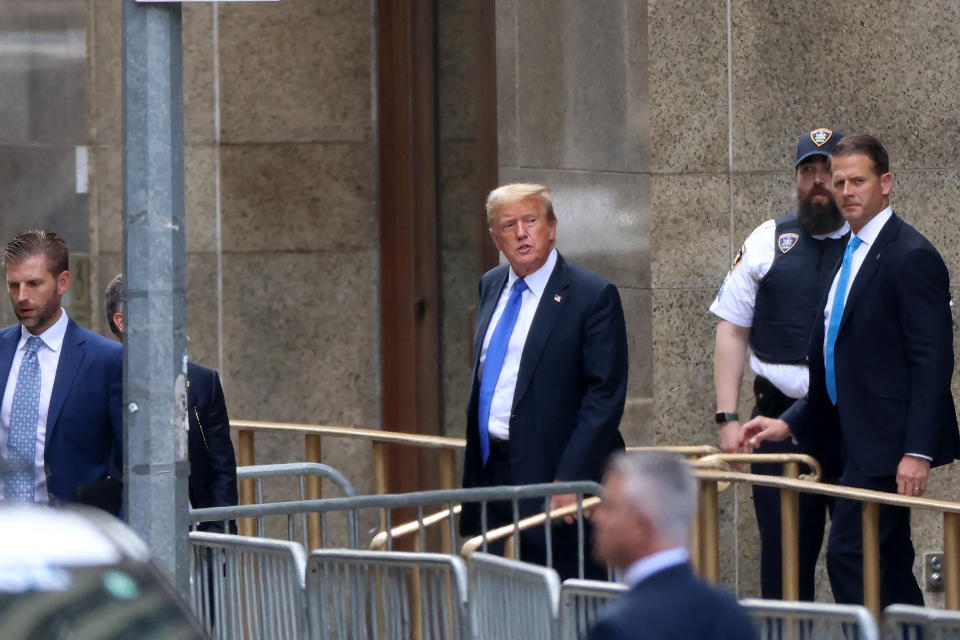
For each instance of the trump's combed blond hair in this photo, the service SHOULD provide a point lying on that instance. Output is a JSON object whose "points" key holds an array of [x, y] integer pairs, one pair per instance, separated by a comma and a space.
{"points": [[516, 192]]}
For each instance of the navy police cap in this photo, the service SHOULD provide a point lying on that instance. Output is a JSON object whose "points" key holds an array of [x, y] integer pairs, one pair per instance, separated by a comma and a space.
{"points": [[818, 142]]}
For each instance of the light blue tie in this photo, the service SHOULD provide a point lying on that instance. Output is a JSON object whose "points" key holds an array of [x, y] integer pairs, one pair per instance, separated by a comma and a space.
{"points": [[493, 363], [22, 442], [836, 314]]}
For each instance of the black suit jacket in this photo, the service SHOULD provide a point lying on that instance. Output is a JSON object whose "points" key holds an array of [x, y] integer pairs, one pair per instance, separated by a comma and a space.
{"points": [[84, 433], [672, 604], [572, 381], [893, 361], [213, 466]]}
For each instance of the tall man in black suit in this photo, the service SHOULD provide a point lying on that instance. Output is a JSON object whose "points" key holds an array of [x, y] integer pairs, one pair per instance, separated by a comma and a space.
{"points": [[61, 427], [642, 528], [213, 465], [550, 369], [881, 360]]}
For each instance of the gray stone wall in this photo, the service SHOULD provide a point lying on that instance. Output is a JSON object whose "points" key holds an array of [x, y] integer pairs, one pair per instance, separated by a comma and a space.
{"points": [[623, 107]]}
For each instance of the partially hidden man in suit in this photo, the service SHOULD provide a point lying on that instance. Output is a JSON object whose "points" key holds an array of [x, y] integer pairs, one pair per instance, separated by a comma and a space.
{"points": [[213, 465], [881, 360], [60, 418], [550, 370], [643, 528]]}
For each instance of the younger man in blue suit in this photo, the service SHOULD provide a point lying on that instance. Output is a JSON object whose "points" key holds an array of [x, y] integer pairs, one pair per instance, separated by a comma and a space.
{"points": [[213, 465], [642, 528], [61, 385]]}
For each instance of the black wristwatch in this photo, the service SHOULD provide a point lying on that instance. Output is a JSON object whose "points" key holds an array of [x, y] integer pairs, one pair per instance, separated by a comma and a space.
{"points": [[723, 417]]}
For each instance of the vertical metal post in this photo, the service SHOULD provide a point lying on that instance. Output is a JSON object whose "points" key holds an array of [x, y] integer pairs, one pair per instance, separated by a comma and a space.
{"points": [[246, 455], [710, 535], [789, 535], [154, 361], [951, 560], [871, 557], [313, 450]]}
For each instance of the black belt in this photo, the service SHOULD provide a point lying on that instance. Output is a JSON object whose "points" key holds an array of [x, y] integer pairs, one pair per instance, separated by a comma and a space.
{"points": [[771, 401]]}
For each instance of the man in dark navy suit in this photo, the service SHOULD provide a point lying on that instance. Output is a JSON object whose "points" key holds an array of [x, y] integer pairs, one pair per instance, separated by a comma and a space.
{"points": [[550, 370], [213, 465], [881, 360], [642, 528], [60, 421]]}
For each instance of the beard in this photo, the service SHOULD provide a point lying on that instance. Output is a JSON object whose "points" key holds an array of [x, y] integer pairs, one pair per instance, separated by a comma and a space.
{"points": [[819, 219], [43, 316]]}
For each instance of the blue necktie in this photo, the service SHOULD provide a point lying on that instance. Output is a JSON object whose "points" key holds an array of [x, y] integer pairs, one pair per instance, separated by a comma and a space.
{"points": [[493, 363], [836, 314], [22, 441]]}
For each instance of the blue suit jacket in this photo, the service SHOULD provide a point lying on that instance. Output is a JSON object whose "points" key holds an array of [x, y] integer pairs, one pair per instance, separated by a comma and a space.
{"points": [[213, 465], [893, 361], [572, 381], [84, 422], [673, 604]]}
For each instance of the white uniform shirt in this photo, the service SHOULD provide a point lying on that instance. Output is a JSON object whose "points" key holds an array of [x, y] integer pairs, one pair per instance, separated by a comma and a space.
{"points": [[737, 298], [502, 403], [48, 356]]}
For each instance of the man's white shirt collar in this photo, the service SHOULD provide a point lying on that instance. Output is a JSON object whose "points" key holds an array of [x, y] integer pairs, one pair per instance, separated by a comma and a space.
{"points": [[871, 230], [52, 337], [645, 567], [536, 281]]}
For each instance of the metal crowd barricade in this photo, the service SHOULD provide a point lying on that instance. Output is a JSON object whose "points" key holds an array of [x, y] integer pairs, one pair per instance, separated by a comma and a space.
{"points": [[907, 622], [581, 602], [304, 473], [248, 588], [777, 620], [511, 599], [387, 595], [356, 507]]}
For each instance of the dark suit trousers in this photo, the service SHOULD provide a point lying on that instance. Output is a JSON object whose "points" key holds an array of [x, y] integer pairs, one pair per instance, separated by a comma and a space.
{"points": [[845, 546], [766, 501], [533, 548]]}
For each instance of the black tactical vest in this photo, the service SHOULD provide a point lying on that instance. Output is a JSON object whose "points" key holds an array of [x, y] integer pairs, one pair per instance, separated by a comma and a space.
{"points": [[790, 295]]}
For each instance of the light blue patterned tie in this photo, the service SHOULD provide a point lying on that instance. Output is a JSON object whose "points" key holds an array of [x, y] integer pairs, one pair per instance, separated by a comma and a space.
{"points": [[22, 441], [493, 363], [836, 314]]}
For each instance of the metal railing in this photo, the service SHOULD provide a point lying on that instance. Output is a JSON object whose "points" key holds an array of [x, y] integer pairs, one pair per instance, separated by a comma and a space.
{"points": [[388, 595], [580, 604], [313, 435], [511, 599], [871, 501], [355, 508], [248, 587], [777, 620], [907, 622]]}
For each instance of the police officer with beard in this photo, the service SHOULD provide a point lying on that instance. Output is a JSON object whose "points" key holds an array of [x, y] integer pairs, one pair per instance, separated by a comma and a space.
{"points": [[769, 301]]}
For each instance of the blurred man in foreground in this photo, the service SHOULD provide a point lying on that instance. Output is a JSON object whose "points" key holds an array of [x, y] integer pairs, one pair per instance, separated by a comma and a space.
{"points": [[643, 528]]}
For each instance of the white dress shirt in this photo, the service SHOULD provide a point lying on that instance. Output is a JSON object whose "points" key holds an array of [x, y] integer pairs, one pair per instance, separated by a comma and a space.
{"points": [[501, 404], [645, 567], [48, 356], [737, 298]]}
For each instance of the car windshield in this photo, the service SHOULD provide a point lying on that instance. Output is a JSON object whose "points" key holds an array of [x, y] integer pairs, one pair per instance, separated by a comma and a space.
{"points": [[116, 602]]}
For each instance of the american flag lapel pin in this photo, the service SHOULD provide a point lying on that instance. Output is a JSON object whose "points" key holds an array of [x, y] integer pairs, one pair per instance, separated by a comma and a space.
{"points": [[557, 298]]}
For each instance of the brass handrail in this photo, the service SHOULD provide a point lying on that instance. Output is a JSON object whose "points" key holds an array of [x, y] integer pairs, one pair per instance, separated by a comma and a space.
{"points": [[816, 472], [690, 450], [709, 552], [379, 541], [538, 519]]}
